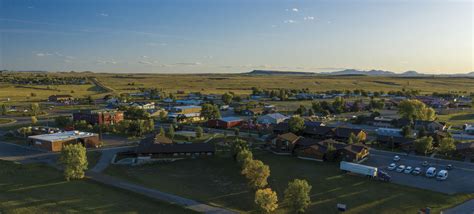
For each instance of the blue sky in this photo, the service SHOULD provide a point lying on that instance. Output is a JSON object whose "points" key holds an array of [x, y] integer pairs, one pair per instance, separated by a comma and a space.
{"points": [[181, 36]]}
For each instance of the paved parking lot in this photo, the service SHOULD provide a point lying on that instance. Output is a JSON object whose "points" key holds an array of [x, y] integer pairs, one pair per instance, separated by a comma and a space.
{"points": [[460, 179]]}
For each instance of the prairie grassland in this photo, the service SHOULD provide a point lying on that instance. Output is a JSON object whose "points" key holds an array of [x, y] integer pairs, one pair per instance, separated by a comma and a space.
{"points": [[23, 92], [241, 84]]}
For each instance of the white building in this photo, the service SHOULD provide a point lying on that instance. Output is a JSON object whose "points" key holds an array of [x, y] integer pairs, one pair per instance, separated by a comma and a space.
{"points": [[273, 119]]}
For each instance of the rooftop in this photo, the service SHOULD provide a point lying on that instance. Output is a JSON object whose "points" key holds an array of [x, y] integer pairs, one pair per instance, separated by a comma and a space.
{"points": [[60, 136]]}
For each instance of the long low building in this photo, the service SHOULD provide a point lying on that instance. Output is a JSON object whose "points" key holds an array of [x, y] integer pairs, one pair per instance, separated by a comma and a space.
{"points": [[54, 142]]}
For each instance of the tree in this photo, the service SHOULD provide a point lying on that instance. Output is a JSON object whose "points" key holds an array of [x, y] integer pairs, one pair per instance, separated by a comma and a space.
{"points": [[338, 105], [243, 156], [209, 111], [266, 200], [353, 139], [407, 131], [227, 98], [199, 132], [296, 124], [74, 161], [171, 131], [237, 146], [4, 109], [256, 172], [447, 146], [301, 110], [297, 195], [416, 110], [62, 121], [34, 120], [35, 109], [423, 145], [162, 131]]}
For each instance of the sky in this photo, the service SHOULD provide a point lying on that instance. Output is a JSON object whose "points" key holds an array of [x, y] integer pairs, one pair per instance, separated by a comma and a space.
{"points": [[216, 36]]}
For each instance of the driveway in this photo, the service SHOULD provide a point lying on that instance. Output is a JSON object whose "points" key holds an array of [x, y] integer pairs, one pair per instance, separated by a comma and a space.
{"points": [[459, 179]]}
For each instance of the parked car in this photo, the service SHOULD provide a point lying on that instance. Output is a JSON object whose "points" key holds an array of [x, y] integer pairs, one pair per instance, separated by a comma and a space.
{"points": [[442, 175], [449, 167], [392, 166], [416, 171], [431, 172], [425, 163], [408, 170], [401, 168], [396, 158]]}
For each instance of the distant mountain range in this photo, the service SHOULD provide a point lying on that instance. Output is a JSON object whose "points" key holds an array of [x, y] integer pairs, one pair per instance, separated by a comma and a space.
{"points": [[350, 72]]}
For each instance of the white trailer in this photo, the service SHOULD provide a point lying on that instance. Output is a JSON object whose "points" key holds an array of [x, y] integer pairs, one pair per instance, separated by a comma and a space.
{"points": [[364, 170]]}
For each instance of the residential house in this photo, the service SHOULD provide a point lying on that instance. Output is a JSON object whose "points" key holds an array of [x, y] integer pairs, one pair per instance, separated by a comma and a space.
{"points": [[252, 111], [284, 143], [104, 116], [272, 119], [225, 122], [343, 133], [384, 122], [353, 152], [54, 142], [430, 126]]}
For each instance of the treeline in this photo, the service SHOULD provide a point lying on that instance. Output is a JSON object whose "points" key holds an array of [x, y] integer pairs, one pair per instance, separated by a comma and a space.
{"points": [[42, 79]]}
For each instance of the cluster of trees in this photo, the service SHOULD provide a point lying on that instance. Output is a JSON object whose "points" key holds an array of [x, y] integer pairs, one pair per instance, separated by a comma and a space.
{"points": [[296, 195], [338, 105], [415, 110], [210, 111], [426, 144], [134, 113], [42, 79]]}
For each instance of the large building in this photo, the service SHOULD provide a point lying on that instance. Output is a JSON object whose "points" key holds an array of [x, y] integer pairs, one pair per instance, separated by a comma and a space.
{"points": [[99, 117], [54, 142], [225, 122]]}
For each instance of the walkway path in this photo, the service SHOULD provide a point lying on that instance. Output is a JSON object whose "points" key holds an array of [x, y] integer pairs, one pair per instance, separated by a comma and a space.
{"points": [[107, 156], [155, 194], [465, 208]]}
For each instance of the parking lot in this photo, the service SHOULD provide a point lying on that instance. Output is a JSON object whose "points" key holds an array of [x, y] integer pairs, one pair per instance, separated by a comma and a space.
{"points": [[460, 179]]}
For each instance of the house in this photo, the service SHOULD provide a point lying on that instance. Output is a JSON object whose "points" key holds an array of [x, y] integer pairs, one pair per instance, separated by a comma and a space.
{"points": [[353, 152], [54, 142], [465, 149], [159, 147], [185, 113], [143, 105], [343, 133], [225, 122], [389, 132], [105, 116], [396, 141], [430, 126], [252, 111], [319, 151], [189, 102], [284, 143], [319, 132], [62, 98], [272, 119], [383, 122]]}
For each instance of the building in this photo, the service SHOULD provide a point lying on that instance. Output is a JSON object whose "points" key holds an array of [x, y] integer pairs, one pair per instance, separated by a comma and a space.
{"points": [[62, 98], [185, 113], [225, 122], [465, 149], [190, 109], [389, 132], [252, 112], [384, 122], [284, 144], [430, 126], [54, 142], [272, 119], [143, 105], [343, 133], [353, 152], [330, 150], [106, 117], [160, 147]]}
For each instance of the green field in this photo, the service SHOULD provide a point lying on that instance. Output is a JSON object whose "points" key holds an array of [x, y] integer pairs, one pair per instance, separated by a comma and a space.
{"points": [[217, 181], [458, 119], [238, 83], [5, 121], [41, 189]]}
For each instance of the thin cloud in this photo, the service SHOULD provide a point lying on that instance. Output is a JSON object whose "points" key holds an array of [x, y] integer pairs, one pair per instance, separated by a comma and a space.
{"points": [[103, 14], [295, 10], [309, 18], [104, 62], [289, 21], [187, 63]]}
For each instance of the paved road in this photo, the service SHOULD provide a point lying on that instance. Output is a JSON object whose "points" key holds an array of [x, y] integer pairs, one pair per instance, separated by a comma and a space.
{"points": [[155, 194], [465, 208], [107, 156], [460, 179]]}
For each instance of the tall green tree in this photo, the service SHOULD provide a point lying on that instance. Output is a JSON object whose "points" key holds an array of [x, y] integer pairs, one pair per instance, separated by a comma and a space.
{"points": [[210, 111], [238, 145], [199, 132], [162, 131], [74, 161], [35, 109], [4, 109], [296, 124], [243, 156], [297, 195], [424, 145], [34, 120], [266, 200], [447, 146], [227, 98], [257, 173], [416, 110]]}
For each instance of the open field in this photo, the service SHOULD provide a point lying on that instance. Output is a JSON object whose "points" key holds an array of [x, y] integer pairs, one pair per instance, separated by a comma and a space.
{"points": [[218, 181], [458, 119], [40, 189], [23, 92], [241, 84]]}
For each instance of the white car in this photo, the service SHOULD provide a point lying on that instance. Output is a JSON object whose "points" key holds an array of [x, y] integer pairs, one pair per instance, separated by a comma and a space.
{"points": [[408, 170], [396, 158], [392, 166], [442, 175], [431, 172], [416, 171], [401, 168]]}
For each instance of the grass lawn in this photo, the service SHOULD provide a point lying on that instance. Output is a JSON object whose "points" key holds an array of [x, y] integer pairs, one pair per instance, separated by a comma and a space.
{"points": [[41, 189], [458, 119], [217, 181], [92, 158], [4, 120]]}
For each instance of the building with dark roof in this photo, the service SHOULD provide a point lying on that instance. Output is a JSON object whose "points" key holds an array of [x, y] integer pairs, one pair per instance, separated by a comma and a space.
{"points": [[225, 122], [105, 116], [160, 147], [284, 143]]}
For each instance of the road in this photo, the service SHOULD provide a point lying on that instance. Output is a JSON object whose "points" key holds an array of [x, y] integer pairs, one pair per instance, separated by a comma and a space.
{"points": [[465, 208], [459, 179]]}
